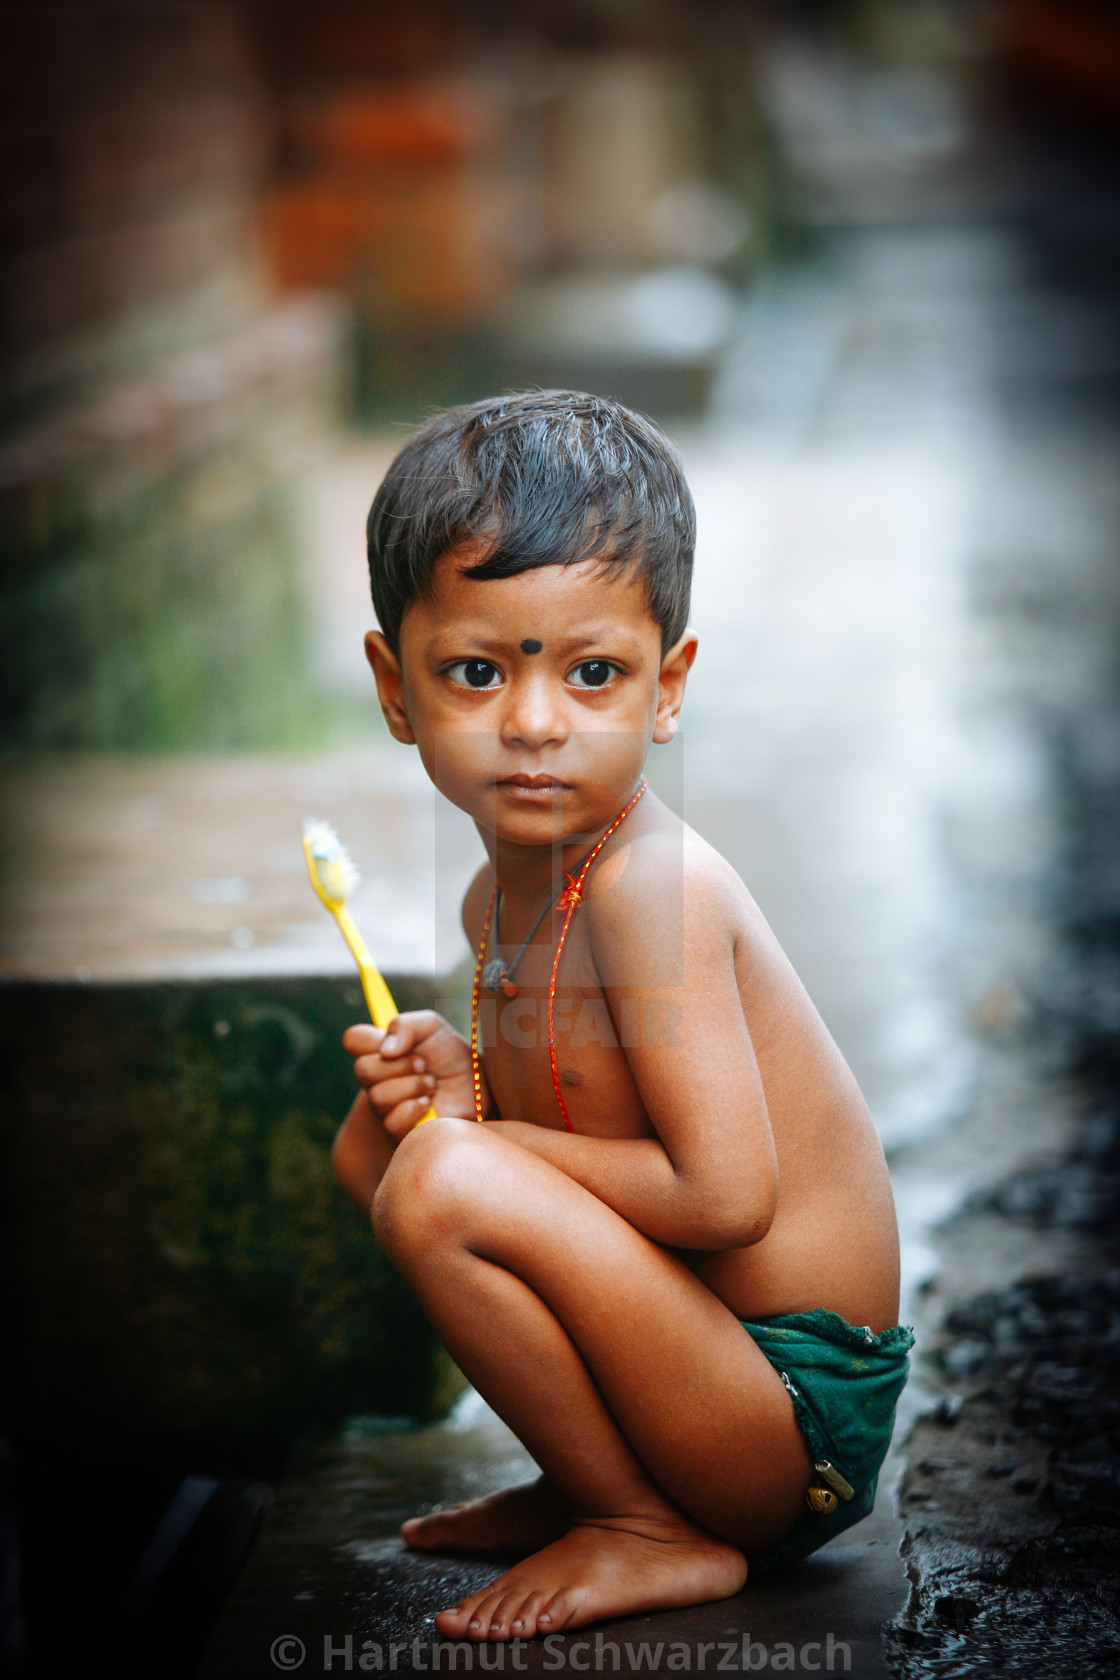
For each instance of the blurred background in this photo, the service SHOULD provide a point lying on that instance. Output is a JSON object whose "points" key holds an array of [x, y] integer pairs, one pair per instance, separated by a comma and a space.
{"points": [[860, 258], [239, 239]]}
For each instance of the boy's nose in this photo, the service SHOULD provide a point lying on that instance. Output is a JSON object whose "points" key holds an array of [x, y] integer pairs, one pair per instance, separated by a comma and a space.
{"points": [[535, 714]]}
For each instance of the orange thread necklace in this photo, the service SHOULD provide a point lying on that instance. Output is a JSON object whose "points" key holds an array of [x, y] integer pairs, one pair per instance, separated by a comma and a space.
{"points": [[569, 901]]}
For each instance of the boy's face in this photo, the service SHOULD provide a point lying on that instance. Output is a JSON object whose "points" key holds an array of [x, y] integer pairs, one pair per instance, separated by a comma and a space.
{"points": [[533, 699]]}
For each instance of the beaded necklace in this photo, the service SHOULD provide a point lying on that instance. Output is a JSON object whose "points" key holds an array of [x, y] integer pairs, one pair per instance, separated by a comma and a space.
{"points": [[569, 901]]}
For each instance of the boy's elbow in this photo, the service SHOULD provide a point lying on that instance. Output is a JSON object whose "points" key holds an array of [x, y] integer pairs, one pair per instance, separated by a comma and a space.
{"points": [[738, 1229], [736, 1220], [753, 1227]]}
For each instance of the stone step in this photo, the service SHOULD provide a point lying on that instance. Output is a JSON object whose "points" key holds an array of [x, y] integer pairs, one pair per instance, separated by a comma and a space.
{"points": [[120, 868], [175, 995]]}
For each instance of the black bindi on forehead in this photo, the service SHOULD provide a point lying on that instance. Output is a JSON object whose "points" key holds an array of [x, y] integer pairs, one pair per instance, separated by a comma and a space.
{"points": [[529, 645]]}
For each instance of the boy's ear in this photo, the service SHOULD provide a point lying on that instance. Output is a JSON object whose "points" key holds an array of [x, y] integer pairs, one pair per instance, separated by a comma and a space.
{"points": [[386, 668], [670, 685]]}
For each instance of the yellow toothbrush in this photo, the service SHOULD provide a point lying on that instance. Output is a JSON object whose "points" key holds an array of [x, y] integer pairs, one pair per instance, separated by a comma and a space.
{"points": [[334, 879]]}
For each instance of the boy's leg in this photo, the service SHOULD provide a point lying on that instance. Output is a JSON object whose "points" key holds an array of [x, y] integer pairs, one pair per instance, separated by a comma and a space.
{"points": [[637, 1392]]}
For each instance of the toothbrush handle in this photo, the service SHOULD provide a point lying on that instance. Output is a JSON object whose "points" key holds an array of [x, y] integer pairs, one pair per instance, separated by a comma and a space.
{"points": [[379, 998], [382, 1009]]}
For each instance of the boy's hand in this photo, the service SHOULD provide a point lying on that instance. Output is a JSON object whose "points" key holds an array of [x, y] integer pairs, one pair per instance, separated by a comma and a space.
{"points": [[420, 1062]]}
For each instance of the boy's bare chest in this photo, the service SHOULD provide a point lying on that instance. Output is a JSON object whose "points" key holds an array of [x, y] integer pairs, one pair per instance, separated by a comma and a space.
{"points": [[591, 1069]]}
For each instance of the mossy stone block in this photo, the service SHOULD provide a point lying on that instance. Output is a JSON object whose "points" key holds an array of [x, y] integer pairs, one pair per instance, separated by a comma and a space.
{"points": [[181, 1263]]}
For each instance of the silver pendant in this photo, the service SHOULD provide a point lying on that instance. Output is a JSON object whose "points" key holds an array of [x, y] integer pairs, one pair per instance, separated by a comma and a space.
{"points": [[492, 974]]}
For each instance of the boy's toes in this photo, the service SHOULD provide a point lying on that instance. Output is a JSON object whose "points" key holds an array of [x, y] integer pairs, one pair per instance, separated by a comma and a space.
{"points": [[490, 1618], [487, 1622], [459, 1615], [474, 1618], [524, 1622], [507, 1619], [555, 1612], [453, 1622], [434, 1529]]}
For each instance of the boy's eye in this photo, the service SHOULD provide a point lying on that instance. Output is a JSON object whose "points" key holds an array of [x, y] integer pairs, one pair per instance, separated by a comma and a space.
{"points": [[592, 673], [475, 673]]}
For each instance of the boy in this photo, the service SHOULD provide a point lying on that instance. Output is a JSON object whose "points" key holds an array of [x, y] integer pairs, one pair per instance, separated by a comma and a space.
{"points": [[668, 1258]]}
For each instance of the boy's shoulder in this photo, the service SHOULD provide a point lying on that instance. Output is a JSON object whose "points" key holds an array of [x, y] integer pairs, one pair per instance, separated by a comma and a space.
{"points": [[663, 850], [658, 880]]}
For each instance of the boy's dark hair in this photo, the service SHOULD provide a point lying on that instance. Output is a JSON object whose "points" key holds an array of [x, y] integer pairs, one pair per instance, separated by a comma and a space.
{"points": [[536, 479]]}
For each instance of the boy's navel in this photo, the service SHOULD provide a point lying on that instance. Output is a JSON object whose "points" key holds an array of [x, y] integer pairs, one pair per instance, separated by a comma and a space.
{"points": [[569, 1076]]}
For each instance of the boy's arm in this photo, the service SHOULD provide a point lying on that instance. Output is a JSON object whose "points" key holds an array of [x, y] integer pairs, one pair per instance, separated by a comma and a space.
{"points": [[361, 1151], [709, 1178], [392, 1067]]}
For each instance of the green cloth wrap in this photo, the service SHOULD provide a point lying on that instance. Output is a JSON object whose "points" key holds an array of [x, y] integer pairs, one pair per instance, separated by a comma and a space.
{"points": [[844, 1383]]}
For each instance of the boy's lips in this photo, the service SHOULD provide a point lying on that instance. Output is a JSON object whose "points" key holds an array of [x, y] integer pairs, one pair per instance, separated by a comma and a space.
{"points": [[531, 787]]}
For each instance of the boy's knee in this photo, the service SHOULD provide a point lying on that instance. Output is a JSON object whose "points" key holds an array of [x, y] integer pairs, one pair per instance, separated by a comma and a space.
{"points": [[426, 1183]]}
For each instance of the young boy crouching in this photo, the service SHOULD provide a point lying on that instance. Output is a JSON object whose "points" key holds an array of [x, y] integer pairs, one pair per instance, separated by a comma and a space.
{"points": [[668, 1258]]}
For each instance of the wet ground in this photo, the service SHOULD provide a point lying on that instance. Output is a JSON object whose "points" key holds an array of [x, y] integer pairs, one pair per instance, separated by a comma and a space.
{"points": [[330, 1578], [1011, 1494]]}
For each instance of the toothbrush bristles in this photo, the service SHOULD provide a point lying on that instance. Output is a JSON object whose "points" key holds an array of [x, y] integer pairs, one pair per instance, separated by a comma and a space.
{"points": [[337, 875]]}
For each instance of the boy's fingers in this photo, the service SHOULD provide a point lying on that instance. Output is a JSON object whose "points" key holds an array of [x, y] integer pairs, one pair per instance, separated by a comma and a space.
{"points": [[409, 1030], [388, 1094], [400, 1038], [362, 1039], [371, 1070], [400, 1121]]}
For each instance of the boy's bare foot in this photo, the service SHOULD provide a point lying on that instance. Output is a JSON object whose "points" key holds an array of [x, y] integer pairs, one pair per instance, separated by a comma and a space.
{"points": [[518, 1519], [609, 1567]]}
